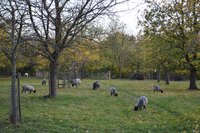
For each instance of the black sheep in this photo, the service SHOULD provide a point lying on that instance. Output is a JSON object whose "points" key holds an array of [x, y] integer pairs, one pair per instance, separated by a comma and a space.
{"points": [[96, 85], [44, 81]]}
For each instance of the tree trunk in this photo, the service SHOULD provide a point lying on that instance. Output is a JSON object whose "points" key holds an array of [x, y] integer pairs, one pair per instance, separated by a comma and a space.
{"points": [[120, 73], [166, 77], [193, 85], [158, 75], [109, 75], [14, 111], [53, 78], [75, 73]]}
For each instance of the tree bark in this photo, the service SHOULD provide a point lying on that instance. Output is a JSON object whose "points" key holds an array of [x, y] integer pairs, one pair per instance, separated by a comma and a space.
{"points": [[14, 111], [166, 77], [53, 78], [120, 73], [158, 75], [193, 85], [14, 114]]}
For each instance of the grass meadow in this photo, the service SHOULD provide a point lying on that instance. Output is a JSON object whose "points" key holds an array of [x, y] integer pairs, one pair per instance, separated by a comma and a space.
{"points": [[83, 110]]}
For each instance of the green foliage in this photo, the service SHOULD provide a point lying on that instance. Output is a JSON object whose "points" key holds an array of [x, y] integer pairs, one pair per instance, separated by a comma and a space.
{"points": [[161, 55], [177, 23], [119, 47], [85, 53], [82, 109]]}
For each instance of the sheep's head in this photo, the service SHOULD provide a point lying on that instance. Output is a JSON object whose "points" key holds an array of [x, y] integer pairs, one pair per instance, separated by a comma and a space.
{"points": [[161, 91], [34, 91], [116, 94], [136, 108]]}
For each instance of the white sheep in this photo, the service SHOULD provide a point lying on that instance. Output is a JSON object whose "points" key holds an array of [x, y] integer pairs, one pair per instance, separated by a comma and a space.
{"points": [[26, 74], [142, 102], [113, 91], [75, 82], [157, 88], [28, 88], [96, 85]]}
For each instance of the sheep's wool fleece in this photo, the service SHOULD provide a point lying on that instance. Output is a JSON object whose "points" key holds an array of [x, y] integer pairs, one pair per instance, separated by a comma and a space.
{"points": [[28, 87], [112, 90], [142, 101], [156, 87]]}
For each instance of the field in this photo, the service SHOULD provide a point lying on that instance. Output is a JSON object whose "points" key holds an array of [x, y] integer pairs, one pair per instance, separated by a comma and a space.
{"points": [[81, 109]]}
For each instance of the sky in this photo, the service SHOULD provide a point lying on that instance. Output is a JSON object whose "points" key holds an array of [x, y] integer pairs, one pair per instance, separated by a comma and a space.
{"points": [[135, 8]]}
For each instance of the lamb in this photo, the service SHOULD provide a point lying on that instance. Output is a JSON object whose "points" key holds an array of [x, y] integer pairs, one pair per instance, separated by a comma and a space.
{"points": [[113, 91], [75, 82], [28, 88], [142, 102], [96, 85], [157, 88], [44, 81]]}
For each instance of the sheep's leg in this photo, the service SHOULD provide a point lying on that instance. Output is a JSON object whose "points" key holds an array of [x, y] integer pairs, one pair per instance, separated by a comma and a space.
{"points": [[144, 107]]}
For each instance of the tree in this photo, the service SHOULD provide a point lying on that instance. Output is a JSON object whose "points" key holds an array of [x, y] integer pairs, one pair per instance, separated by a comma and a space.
{"points": [[160, 56], [177, 21], [137, 57], [3, 37], [12, 14], [118, 44], [85, 54], [58, 23]]}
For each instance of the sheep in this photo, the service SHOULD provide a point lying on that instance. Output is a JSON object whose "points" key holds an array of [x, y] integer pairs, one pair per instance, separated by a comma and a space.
{"points": [[96, 85], [142, 102], [26, 75], [28, 88], [44, 81], [113, 92], [157, 88], [75, 82]]}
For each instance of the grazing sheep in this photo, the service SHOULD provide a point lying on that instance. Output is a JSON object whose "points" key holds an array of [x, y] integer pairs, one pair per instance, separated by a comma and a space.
{"points": [[26, 75], [113, 91], [142, 102], [96, 85], [75, 82], [44, 81], [157, 88], [28, 88]]}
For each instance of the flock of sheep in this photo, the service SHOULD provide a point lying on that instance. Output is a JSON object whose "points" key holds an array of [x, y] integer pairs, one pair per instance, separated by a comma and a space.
{"points": [[141, 102]]}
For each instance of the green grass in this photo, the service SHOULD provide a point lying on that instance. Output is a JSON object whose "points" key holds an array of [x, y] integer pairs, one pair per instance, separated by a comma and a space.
{"points": [[82, 109]]}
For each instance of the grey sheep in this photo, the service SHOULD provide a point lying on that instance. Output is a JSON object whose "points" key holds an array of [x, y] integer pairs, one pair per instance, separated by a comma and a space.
{"points": [[28, 88], [157, 88], [113, 91], [141, 103]]}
